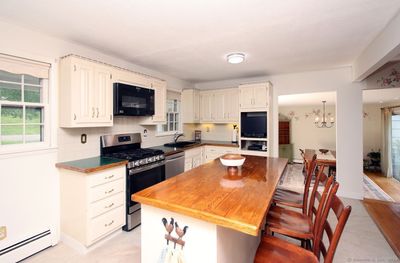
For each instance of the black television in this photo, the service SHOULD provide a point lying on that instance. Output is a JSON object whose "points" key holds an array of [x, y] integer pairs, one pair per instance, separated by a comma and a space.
{"points": [[253, 124]]}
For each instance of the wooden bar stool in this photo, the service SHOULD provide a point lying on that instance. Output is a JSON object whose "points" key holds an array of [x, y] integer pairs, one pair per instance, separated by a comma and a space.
{"points": [[295, 199], [273, 249], [302, 226]]}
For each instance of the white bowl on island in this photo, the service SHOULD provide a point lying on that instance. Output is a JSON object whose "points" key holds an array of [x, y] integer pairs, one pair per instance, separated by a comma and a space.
{"points": [[232, 160]]}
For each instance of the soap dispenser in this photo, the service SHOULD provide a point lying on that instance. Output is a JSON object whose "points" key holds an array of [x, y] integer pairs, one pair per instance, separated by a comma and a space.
{"points": [[235, 133]]}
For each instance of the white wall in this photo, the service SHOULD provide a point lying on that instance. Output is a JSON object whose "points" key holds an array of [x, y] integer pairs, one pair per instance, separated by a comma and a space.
{"points": [[303, 132], [33, 178], [348, 111], [29, 195], [372, 128]]}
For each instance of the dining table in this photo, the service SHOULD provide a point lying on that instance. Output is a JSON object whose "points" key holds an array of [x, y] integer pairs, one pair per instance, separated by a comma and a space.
{"points": [[327, 158]]}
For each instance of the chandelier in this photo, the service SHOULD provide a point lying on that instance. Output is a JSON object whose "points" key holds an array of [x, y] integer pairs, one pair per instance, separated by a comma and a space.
{"points": [[323, 123]]}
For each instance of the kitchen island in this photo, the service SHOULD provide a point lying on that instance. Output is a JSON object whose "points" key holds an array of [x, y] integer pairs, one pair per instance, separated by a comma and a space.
{"points": [[224, 213]]}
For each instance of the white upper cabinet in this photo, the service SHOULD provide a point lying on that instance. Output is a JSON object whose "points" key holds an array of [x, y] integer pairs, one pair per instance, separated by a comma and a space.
{"points": [[160, 91], [221, 106], [190, 106], [160, 101], [206, 99], [231, 105], [217, 107], [103, 93], [85, 93], [254, 96]]}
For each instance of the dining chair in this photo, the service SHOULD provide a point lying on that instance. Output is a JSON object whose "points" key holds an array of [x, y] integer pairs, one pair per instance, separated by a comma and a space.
{"points": [[302, 226], [287, 197], [302, 154], [276, 250]]}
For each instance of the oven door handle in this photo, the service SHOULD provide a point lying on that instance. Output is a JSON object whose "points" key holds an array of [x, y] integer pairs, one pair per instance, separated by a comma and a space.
{"points": [[146, 168]]}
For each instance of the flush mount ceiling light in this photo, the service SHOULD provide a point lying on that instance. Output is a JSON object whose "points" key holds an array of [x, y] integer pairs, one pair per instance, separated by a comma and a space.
{"points": [[235, 58]]}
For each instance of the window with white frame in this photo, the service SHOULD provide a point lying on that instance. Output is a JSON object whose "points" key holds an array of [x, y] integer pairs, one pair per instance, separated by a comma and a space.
{"points": [[173, 115], [23, 101]]}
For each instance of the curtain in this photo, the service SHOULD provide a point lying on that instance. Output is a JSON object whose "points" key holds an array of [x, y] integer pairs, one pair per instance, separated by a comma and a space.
{"points": [[396, 143], [386, 155], [18, 65], [173, 95]]}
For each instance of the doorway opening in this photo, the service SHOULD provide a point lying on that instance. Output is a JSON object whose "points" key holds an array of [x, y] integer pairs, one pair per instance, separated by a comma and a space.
{"points": [[307, 126]]}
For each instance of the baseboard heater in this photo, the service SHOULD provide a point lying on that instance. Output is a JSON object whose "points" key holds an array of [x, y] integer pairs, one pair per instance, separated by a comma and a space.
{"points": [[26, 247]]}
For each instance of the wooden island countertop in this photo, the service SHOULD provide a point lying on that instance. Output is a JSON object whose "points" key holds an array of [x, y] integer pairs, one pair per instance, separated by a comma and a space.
{"points": [[208, 193]]}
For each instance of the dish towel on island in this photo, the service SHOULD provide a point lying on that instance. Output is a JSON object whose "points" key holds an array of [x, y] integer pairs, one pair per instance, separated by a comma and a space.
{"points": [[171, 255]]}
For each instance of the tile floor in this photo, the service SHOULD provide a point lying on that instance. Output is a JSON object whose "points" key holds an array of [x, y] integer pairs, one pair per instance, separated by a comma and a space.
{"points": [[361, 242]]}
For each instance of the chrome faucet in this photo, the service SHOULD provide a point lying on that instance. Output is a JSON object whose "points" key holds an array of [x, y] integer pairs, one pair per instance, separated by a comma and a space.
{"points": [[177, 135]]}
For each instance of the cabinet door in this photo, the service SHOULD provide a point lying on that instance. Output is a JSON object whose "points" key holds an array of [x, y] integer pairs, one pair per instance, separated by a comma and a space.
{"points": [[246, 97], [196, 106], [205, 101], [260, 97], [196, 160], [102, 94], [232, 105], [188, 163], [160, 92], [82, 84], [218, 109]]}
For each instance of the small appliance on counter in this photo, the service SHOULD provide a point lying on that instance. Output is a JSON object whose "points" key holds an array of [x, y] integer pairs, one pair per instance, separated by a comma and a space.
{"points": [[235, 133], [197, 135]]}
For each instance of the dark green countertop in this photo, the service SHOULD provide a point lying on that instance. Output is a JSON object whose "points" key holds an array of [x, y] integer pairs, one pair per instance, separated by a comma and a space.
{"points": [[90, 165], [172, 150]]}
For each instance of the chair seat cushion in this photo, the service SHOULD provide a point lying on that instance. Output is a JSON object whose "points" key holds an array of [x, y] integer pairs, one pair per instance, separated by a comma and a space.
{"points": [[289, 222], [272, 249]]}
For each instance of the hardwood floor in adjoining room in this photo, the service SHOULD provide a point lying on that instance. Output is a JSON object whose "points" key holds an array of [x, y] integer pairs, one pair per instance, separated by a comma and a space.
{"points": [[386, 215], [389, 185]]}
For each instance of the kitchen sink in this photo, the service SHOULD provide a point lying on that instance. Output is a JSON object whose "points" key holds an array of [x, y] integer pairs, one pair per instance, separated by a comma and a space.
{"points": [[180, 144]]}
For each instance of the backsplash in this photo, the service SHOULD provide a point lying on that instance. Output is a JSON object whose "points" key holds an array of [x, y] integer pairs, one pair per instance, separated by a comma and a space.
{"points": [[209, 131], [71, 148]]}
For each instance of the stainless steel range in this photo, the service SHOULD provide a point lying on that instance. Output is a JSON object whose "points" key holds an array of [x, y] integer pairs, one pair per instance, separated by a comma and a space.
{"points": [[146, 167]]}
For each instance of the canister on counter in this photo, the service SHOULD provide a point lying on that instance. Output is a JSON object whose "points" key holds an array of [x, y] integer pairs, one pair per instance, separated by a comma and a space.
{"points": [[197, 135]]}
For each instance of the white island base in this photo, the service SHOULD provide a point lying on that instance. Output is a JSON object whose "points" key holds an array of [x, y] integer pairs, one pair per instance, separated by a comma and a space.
{"points": [[204, 242]]}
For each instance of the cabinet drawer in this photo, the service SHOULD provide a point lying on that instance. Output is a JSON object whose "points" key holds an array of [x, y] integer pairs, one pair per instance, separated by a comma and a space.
{"points": [[106, 223], [105, 205], [106, 176], [106, 190]]}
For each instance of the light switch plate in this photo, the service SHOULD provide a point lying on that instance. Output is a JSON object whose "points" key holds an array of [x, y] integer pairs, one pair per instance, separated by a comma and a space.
{"points": [[3, 232]]}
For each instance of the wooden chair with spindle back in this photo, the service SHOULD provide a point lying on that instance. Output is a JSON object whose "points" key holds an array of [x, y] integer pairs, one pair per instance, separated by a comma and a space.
{"points": [[302, 226], [302, 154], [295, 199], [342, 214], [275, 250]]}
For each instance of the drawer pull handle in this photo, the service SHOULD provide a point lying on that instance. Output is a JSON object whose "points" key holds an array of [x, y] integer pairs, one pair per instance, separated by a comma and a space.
{"points": [[108, 206], [109, 177], [109, 224], [109, 192]]}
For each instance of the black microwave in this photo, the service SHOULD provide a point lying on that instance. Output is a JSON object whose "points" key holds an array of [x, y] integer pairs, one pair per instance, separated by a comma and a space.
{"points": [[130, 100]]}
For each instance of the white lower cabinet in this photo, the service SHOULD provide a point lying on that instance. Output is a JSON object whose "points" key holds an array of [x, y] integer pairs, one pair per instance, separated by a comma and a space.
{"points": [[213, 152], [193, 158], [92, 205]]}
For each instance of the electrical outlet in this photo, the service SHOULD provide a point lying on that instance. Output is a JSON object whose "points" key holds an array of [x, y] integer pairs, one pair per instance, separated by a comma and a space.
{"points": [[3, 232]]}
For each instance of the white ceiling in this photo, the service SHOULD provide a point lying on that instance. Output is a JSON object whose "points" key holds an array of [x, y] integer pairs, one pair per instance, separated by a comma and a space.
{"points": [[307, 99], [384, 96], [190, 39]]}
